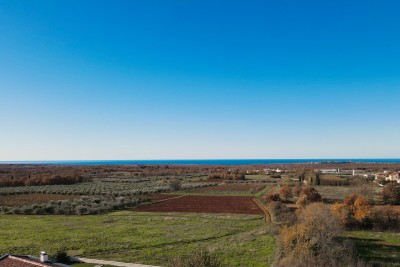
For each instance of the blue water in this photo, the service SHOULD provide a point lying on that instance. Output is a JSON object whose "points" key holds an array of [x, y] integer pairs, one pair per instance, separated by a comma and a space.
{"points": [[199, 161]]}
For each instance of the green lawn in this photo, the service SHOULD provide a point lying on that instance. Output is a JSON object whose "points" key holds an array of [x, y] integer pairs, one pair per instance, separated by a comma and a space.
{"points": [[381, 247], [148, 238]]}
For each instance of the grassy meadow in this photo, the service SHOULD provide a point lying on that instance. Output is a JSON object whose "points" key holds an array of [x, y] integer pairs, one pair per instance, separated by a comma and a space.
{"points": [[148, 238], [383, 247]]}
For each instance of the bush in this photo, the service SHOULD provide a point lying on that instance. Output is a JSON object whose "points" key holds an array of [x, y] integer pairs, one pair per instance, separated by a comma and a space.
{"points": [[281, 213], [272, 197], [200, 258], [308, 195], [60, 257], [391, 194], [296, 190], [313, 239], [285, 193], [386, 219]]}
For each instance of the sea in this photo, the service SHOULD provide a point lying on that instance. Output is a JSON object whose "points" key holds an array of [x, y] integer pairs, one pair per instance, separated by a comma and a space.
{"points": [[203, 161]]}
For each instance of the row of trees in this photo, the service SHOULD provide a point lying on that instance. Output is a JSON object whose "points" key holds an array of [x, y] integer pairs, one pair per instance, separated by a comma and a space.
{"points": [[81, 206], [356, 212], [227, 176], [306, 195], [45, 180]]}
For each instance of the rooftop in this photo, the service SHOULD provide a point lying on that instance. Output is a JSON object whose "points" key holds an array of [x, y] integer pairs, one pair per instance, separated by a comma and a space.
{"points": [[22, 261]]}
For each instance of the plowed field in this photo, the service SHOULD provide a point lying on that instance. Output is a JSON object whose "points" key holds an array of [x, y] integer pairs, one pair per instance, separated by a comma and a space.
{"points": [[205, 204]]}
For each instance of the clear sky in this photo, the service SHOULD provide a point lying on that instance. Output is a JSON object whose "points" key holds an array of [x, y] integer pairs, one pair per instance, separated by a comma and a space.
{"points": [[199, 79]]}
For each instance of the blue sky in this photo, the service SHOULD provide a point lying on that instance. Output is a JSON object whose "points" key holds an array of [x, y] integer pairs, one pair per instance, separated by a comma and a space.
{"points": [[199, 79]]}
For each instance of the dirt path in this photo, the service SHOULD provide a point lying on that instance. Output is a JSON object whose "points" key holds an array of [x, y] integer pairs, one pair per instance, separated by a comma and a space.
{"points": [[268, 217], [112, 263]]}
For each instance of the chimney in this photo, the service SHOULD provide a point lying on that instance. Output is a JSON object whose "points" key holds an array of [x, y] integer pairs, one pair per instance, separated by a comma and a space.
{"points": [[43, 256]]}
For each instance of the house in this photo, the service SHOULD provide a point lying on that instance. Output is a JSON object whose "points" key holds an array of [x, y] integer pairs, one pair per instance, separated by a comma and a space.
{"points": [[380, 176], [393, 177], [28, 261], [388, 176]]}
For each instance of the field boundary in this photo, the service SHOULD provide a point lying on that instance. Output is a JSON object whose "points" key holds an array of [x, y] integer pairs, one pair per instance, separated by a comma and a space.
{"points": [[166, 199], [112, 263], [268, 217]]}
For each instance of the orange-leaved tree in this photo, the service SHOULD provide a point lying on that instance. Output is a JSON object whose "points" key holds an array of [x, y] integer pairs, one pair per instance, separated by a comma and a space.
{"points": [[354, 211]]}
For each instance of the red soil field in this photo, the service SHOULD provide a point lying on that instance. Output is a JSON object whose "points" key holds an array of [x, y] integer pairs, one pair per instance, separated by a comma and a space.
{"points": [[205, 204]]}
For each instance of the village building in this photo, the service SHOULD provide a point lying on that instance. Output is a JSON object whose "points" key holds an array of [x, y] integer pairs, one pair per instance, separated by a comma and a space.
{"points": [[393, 177], [28, 261], [388, 176]]}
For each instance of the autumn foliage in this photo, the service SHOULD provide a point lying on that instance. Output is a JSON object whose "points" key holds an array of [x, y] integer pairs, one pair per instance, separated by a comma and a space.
{"points": [[312, 241], [355, 211], [308, 195]]}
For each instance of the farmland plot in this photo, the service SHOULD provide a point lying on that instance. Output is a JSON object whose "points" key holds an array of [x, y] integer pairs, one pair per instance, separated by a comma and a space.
{"points": [[205, 204], [230, 189], [99, 188]]}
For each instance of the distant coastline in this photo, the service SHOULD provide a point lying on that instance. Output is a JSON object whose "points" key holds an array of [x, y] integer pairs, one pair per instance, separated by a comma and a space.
{"points": [[204, 161]]}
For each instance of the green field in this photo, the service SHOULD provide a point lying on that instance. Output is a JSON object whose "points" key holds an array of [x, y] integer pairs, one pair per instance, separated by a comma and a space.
{"points": [[148, 238], [383, 247]]}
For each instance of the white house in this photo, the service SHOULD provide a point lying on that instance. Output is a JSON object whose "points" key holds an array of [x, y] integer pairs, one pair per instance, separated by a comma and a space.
{"points": [[393, 176]]}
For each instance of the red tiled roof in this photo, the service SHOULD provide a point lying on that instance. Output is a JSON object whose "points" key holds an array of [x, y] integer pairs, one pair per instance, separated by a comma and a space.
{"points": [[20, 261]]}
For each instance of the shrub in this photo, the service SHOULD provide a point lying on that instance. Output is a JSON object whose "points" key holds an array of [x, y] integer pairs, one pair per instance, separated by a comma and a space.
{"points": [[200, 258], [308, 195], [386, 218], [61, 257], [272, 197], [281, 213], [285, 193], [312, 239], [296, 190], [391, 194]]}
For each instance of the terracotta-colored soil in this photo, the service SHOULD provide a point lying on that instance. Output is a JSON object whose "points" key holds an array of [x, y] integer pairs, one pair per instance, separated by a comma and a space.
{"points": [[205, 204]]}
